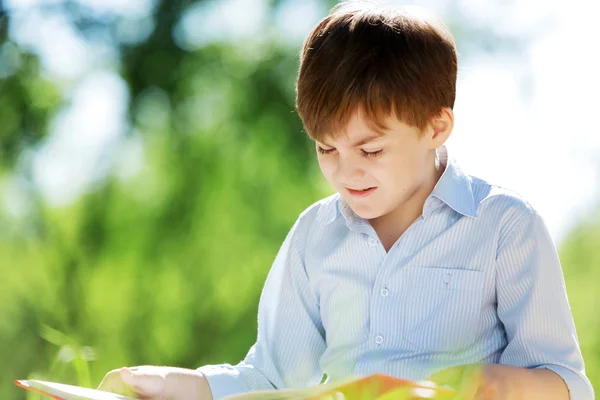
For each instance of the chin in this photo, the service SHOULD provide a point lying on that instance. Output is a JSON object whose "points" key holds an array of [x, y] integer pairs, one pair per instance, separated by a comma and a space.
{"points": [[366, 212]]}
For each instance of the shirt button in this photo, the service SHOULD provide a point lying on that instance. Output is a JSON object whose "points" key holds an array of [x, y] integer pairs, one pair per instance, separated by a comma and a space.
{"points": [[373, 242], [378, 339], [447, 277], [385, 292]]}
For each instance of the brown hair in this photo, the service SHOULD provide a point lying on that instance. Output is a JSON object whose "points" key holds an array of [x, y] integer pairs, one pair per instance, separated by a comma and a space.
{"points": [[380, 60]]}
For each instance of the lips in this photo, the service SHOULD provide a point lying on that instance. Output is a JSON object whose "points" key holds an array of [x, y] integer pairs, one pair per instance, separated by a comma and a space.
{"points": [[361, 192]]}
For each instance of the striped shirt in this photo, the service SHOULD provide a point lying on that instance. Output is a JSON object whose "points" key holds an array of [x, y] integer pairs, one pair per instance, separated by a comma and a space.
{"points": [[476, 278]]}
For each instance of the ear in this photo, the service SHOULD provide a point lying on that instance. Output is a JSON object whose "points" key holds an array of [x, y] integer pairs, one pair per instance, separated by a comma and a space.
{"points": [[440, 127]]}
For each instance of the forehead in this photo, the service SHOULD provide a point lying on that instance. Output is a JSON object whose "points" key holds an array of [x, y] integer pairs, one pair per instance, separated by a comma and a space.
{"points": [[359, 131], [357, 128]]}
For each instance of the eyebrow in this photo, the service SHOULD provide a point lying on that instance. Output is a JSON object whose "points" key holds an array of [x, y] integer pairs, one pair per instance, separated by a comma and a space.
{"points": [[362, 141], [366, 140]]}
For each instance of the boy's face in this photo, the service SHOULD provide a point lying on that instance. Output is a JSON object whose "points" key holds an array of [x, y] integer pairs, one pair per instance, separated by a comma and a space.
{"points": [[376, 173]]}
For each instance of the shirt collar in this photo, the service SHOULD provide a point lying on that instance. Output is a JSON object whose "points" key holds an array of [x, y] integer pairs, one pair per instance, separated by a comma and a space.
{"points": [[329, 210], [453, 188]]}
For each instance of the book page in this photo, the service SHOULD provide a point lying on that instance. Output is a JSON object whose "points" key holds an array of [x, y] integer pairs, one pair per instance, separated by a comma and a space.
{"points": [[372, 386], [69, 392], [290, 394]]}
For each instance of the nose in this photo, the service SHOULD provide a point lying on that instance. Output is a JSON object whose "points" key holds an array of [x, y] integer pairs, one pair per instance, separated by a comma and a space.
{"points": [[349, 171]]}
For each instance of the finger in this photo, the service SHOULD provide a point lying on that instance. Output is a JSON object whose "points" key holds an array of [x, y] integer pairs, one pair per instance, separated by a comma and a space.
{"points": [[144, 383], [112, 383]]}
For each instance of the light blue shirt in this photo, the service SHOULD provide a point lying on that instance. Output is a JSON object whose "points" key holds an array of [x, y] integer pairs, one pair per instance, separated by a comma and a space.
{"points": [[476, 278]]}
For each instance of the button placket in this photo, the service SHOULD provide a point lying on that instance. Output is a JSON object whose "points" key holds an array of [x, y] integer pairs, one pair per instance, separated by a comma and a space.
{"points": [[381, 291]]}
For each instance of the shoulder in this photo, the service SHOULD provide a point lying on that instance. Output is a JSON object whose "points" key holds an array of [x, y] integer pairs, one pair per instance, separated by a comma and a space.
{"points": [[317, 215], [502, 208], [510, 221], [323, 209]]}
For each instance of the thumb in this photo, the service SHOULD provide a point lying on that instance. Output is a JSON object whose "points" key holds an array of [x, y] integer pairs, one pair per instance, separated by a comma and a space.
{"points": [[149, 383]]}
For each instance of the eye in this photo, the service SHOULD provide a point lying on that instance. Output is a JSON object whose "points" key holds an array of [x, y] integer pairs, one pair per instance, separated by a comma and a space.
{"points": [[371, 153], [325, 151]]}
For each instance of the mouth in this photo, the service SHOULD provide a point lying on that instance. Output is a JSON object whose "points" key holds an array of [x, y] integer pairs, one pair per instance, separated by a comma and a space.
{"points": [[361, 192]]}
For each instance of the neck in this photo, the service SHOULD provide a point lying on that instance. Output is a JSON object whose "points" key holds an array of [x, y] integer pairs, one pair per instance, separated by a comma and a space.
{"points": [[391, 226]]}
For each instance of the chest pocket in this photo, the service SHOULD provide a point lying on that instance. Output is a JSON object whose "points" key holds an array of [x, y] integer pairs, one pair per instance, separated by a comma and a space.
{"points": [[442, 308]]}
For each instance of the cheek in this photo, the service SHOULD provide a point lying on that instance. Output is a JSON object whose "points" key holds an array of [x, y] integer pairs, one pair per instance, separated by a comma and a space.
{"points": [[327, 168], [393, 174], [382, 170]]}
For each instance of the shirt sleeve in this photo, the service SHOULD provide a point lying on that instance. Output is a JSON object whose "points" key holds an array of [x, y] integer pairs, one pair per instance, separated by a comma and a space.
{"points": [[533, 306], [291, 338]]}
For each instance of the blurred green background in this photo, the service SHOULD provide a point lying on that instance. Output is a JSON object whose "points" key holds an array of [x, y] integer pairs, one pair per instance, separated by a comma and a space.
{"points": [[151, 163]]}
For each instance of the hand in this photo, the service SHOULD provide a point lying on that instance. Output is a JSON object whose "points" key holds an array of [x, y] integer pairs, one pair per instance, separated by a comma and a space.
{"points": [[475, 382], [157, 383]]}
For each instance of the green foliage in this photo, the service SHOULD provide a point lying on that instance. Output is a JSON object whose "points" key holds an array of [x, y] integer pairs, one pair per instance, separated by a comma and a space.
{"points": [[164, 266], [580, 257]]}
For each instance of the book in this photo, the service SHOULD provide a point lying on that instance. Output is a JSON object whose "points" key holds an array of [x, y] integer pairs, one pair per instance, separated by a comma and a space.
{"points": [[372, 387], [60, 391]]}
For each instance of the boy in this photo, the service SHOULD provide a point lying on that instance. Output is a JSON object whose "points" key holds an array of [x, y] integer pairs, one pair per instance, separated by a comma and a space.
{"points": [[413, 267]]}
